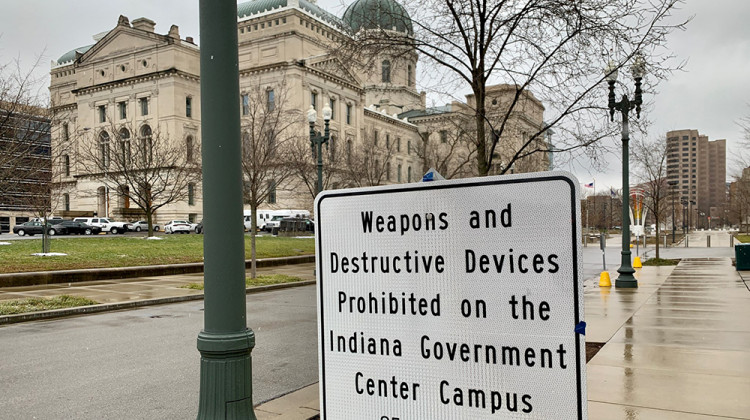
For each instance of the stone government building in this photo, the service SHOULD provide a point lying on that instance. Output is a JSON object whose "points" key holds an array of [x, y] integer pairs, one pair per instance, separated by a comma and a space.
{"points": [[134, 79]]}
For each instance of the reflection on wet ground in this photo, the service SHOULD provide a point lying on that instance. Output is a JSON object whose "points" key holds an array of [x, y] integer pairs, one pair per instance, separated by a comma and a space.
{"points": [[678, 346]]}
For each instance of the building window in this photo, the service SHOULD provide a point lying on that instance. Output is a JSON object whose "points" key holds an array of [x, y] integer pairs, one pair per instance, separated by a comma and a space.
{"points": [[189, 107], [398, 173], [66, 165], [386, 71], [146, 144], [271, 192], [66, 132], [388, 142], [66, 202], [348, 114], [122, 109], [388, 171], [104, 149], [375, 142], [408, 146], [124, 146], [102, 113], [443, 136], [332, 104], [408, 174], [245, 104], [398, 144], [144, 106], [270, 100], [409, 75], [189, 148], [191, 194], [314, 100]]}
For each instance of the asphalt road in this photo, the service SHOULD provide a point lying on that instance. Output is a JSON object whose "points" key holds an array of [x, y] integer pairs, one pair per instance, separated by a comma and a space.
{"points": [[143, 364]]}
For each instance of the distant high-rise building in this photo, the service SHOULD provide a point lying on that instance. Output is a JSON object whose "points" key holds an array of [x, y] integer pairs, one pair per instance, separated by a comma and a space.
{"points": [[699, 166]]}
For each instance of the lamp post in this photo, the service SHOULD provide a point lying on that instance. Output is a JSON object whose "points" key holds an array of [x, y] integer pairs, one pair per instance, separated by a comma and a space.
{"points": [[684, 203], [690, 215], [624, 106], [316, 139], [672, 184]]}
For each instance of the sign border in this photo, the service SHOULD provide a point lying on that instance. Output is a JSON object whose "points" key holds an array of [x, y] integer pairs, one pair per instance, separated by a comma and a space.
{"points": [[441, 185]]}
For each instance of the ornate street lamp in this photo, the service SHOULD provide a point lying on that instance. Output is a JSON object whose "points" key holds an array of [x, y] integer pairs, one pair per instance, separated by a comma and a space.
{"points": [[684, 203], [624, 106], [672, 184], [316, 139], [690, 215]]}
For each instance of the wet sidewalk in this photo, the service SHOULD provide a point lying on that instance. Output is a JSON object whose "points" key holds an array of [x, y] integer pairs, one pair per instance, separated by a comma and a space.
{"points": [[684, 353], [119, 294]]}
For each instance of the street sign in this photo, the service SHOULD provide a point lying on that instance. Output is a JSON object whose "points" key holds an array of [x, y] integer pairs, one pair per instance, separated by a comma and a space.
{"points": [[452, 300]]}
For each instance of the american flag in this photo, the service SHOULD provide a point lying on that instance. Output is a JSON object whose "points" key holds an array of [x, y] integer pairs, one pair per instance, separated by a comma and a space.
{"points": [[589, 185]]}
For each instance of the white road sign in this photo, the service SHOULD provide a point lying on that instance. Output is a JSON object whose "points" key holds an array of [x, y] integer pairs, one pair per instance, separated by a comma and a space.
{"points": [[451, 300]]}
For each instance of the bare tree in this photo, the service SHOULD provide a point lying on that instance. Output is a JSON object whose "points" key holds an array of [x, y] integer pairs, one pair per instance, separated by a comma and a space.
{"points": [[347, 163], [650, 164], [269, 131], [552, 48], [448, 149], [24, 134], [145, 167]]}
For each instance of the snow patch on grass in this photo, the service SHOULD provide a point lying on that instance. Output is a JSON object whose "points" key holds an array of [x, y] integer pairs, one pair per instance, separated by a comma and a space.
{"points": [[4, 243], [49, 254], [154, 238]]}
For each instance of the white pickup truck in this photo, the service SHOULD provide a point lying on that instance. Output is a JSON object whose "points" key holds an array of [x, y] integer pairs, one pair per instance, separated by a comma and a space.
{"points": [[104, 223]]}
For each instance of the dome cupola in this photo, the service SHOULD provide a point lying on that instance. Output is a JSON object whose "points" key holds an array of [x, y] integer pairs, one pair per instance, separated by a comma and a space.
{"points": [[378, 14]]}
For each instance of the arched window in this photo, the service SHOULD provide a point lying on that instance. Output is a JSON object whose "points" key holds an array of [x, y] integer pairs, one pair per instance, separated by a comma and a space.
{"points": [[386, 71], [147, 152], [189, 148], [124, 146], [66, 202], [104, 149]]}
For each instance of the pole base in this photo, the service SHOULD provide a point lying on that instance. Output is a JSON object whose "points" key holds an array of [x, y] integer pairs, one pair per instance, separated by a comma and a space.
{"points": [[626, 280], [226, 389]]}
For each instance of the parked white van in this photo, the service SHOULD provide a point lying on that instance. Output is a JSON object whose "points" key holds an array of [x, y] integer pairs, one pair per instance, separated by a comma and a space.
{"points": [[262, 218]]}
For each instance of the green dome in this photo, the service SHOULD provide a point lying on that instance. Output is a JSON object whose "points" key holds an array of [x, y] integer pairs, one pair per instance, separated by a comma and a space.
{"points": [[71, 55], [378, 14]]}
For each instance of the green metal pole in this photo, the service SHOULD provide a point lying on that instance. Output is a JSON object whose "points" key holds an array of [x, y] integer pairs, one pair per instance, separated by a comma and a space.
{"points": [[626, 278], [225, 343]]}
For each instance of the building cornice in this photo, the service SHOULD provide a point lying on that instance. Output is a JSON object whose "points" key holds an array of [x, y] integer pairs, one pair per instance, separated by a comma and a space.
{"points": [[136, 79]]}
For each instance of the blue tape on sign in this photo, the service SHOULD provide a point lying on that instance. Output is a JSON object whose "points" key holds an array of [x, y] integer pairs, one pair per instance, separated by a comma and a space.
{"points": [[428, 177], [581, 328]]}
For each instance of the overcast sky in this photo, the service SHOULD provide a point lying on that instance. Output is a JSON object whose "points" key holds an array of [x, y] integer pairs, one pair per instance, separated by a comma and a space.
{"points": [[711, 95]]}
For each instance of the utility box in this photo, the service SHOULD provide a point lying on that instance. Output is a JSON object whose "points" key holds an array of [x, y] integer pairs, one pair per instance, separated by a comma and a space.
{"points": [[742, 253]]}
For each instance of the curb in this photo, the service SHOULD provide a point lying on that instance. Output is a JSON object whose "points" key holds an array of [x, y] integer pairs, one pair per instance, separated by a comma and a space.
{"points": [[107, 307], [92, 274]]}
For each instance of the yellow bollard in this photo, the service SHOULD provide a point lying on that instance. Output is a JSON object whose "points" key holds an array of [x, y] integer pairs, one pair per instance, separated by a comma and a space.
{"points": [[637, 262], [604, 280]]}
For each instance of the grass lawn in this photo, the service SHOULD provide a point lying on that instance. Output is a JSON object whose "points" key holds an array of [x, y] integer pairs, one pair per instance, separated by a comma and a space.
{"points": [[20, 306], [263, 280], [126, 251], [743, 238], [660, 262]]}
